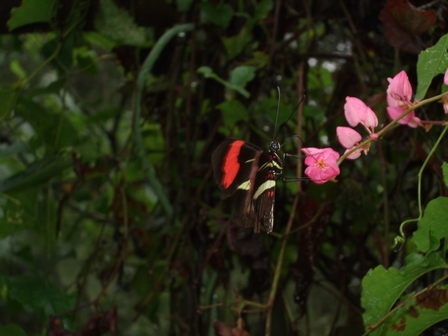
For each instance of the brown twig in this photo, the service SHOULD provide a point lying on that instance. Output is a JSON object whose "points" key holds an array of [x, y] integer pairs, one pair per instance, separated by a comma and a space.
{"points": [[278, 5], [278, 268]]}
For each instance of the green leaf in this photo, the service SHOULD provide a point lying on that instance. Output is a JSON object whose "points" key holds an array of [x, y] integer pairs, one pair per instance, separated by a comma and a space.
{"points": [[117, 24], [17, 69], [445, 173], [381, 288], [232, 112], [259, 59], [433, 223], [208, 73], [19, 211], [37, 173], [31, 11], [54, 87], [236, 44], [263, 9], [100, 40], [12, 330], [62, 50], [183, 5], [8, 97], [418, 314], [39, 296], [83, 58], [220, 15], [54, 130], [241, 75], [14, 148], [431, 62]]}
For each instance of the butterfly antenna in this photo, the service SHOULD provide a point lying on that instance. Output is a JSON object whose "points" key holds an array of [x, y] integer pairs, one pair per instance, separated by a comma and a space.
{"points": [[300, 102], [292, 137], [276, 117]]}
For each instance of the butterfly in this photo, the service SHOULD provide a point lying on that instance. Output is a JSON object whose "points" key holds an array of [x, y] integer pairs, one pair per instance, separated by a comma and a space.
{"points": [[246, 172]]}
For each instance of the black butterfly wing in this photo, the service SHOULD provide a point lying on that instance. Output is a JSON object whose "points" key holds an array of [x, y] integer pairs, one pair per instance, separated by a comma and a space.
{"points": [[235, 163], [264, 192]]}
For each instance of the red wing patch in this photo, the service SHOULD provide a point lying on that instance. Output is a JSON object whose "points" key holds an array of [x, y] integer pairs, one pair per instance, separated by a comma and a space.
{"points": [[230, 165]]}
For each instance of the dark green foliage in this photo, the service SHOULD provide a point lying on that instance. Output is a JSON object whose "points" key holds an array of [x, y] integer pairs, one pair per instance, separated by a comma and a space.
{"points": [[111, 221]]}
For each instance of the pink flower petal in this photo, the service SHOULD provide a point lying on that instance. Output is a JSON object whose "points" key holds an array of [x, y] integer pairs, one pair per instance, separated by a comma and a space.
{"points": [[323, 164], [410, 119], [347, 136], [395, 112], [371, 119], [391, 102], [354, 110], [356, 154], [445, 78], [415, 121], [310, 151]]}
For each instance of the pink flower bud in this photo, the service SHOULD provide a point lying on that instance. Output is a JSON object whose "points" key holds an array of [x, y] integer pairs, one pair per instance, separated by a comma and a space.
{"points": [[356, 112], [445, 78], [400, 89], [322, 164]]}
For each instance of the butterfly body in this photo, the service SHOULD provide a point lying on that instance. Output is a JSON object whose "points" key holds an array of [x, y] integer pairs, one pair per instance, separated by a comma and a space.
{"points": [[246, 172]]}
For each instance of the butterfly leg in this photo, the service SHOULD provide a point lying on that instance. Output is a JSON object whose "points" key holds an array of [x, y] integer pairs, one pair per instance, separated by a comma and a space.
{"points": [[293, 179]]}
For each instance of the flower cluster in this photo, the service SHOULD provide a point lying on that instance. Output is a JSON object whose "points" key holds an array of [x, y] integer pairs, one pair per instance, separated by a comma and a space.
{"points": [[323, 163]]}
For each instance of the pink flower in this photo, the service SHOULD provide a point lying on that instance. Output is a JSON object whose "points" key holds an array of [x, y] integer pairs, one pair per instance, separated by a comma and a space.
{"points": [[349, 138], [445, 79], [400, 90], [322, 164], [410, 119], [399, 94], [356, 112]]}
